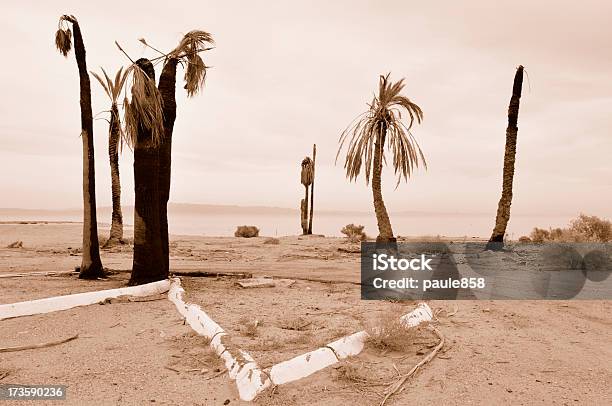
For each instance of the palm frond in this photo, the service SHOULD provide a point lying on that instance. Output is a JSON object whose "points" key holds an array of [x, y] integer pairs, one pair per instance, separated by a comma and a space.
{"points": [[102, 83], [188, 50], [144, 110], [307, 174], [383, 123], [63, 40]]}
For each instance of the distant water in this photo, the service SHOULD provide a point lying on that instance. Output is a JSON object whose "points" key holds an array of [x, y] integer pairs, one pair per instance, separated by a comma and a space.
{"points": [[280, 224]]}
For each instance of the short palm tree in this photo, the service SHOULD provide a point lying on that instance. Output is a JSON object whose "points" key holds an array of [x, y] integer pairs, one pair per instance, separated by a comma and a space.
{"points": [[91, 264], [366, 137], [306, 178], [113, 90]]}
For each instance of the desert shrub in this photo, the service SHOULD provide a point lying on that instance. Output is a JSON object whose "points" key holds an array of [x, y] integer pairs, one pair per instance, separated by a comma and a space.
{"points": [[524, 239], [354, 232], [592, 228], [539, 235], [583, 229], [246, 231]]}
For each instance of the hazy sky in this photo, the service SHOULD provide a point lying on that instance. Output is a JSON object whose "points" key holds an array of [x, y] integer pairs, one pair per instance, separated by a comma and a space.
{"points": [[288, 74]]}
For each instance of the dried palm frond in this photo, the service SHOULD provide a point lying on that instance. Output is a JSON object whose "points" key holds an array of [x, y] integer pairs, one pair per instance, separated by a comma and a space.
{"points": [[63, 40], [307, 173], [383, 123], [188, 51], [144, 111]]}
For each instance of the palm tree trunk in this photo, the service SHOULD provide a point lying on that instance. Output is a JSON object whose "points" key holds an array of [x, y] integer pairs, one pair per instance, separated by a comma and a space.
{"points": [[503, 210], [116, 231], [148, 263], [305, 214], [167, 88], [91, 264], [314, 159], [385, 232]]}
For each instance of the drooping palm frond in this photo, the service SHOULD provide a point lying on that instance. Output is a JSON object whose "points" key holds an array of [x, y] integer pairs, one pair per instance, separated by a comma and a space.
{"points": [[63, 36], [188, 51], [144, 110], [307, 174], [383, 122]]}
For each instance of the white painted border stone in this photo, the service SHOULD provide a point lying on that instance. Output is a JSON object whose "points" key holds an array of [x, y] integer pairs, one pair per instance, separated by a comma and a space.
{"points": [[56, 303]]}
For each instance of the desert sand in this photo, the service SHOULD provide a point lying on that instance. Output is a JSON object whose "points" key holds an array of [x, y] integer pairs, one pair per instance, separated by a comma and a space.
{"points": [[135, 353]]}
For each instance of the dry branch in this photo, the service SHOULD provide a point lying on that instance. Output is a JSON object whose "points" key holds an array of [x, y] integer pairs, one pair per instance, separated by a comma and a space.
{"points": [[37, 346], [397, 385]]}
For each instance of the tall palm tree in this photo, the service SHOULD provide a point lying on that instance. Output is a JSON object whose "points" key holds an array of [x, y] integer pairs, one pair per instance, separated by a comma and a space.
{"points": [[496, 242], [187, 54], [144, 131], [91, 264], [113, 90], [306, 178], [366, 137]]}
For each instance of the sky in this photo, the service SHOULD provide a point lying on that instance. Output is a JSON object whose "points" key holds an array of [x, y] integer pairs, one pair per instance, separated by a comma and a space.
{"points": [[286, 75]]}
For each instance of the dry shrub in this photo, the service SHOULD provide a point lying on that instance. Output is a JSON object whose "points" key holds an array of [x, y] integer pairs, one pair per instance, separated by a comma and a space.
{"points": [[582, 229], [246, 231], [349, 370], [524, 239], [354, 232], [294, 323], [273, 241], [16, 244], [249, 328], [389, 333]]}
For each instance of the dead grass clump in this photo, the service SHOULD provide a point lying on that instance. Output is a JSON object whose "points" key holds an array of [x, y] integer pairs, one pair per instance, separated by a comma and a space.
{"points": [[305, 338], [246, 231], [273, 241], [354, 233], [389, 333], [349, 370], [524, 239], [249, 328], [294, 323]]}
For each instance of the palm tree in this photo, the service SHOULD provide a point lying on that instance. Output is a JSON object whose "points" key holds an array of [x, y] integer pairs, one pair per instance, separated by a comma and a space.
{"points": [[306, 178], [186, 53], [496, 242], [91, 264], [113, 90], [366, 137], [144, 132]]}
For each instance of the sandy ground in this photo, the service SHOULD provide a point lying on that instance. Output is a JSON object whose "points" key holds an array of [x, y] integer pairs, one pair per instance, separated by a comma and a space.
{"points": [[497, 352]]}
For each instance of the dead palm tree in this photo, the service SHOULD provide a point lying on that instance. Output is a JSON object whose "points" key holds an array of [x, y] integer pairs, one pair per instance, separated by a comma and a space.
{"points": [[366, 137], [187, 54], [314, 160], [306, 178], [496, 242], [144, 132], [113, 90], [91, 264]]}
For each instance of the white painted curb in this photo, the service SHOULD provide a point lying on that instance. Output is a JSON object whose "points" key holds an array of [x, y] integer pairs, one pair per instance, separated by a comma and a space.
{"points": [[56, 303], [311, 362], [249, 378]]}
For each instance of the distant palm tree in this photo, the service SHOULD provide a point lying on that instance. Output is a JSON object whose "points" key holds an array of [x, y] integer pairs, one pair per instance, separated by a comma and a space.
{"points": [[113, 90], [306, 178], [186, 53], [366, 137], [91, 264], [496, 241], [314, 160]]}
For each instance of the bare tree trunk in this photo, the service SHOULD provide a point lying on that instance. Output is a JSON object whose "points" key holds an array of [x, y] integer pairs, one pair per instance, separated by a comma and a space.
{"points": [[503, 210], [116, 231], [91, 264], [382, 218], [314, 160], [167, 88], [148, 265]]}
